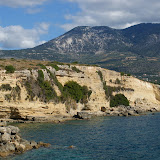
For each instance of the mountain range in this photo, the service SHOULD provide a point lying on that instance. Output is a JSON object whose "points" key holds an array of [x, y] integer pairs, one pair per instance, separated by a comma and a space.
{"points": [[134, 50]]}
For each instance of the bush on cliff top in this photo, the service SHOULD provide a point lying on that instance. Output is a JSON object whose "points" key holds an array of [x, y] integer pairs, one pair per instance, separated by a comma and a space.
{"points": [[9, 69]]}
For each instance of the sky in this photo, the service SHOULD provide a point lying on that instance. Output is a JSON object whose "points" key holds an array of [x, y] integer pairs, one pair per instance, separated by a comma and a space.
{"points": [[28, 23]]}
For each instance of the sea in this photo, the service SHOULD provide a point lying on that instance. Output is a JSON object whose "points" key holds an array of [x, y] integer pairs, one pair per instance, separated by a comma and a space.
{"points": [[100, 138]]}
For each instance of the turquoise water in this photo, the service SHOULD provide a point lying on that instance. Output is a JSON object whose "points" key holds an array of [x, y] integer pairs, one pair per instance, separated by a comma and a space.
{"points": [[106, 138]]}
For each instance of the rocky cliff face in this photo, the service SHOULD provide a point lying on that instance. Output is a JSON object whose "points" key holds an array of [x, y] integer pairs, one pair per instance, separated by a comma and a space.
{"points": [[17, 102]]}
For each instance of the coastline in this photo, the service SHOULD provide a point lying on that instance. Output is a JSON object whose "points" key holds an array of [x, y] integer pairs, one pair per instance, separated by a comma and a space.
{"points": [[123, 111]]}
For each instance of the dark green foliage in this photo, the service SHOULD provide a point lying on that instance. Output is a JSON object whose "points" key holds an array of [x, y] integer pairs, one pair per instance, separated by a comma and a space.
{"points": [[76, 69], [42, 66], [76, 62], [8, 97], [117, 81], [46, 87], [128, 74], [54, 66], [119, 99], [75, 91], [9, 69], [100, 75], [109, 90], [29, 90], [55, 81], [5, 87], [12, 59], [16, 93], [40, 77], [122, 73], [58, 63]]}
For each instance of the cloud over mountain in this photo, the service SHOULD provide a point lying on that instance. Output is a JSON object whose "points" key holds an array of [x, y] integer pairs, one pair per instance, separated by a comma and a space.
{"points": [[19, 37], [113, 13]]}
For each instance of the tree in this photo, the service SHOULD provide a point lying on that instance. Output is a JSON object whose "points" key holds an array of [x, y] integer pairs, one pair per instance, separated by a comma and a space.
{"points": [[9, 69], [119, 99]]}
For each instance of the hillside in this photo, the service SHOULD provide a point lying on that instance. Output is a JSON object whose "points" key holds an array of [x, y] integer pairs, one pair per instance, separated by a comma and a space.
{"points": [[132, 50], [49, 90]]}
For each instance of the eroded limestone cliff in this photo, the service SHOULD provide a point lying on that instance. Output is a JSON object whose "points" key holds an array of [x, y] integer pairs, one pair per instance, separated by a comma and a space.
{"points": [[19, 102]]}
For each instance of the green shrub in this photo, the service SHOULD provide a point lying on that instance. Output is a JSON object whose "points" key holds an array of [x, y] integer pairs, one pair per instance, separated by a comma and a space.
{"points": [[9, 69], [46, 87], [29, 90], [76, 62], [8, 97], [118, 99], [117, 81], [122, 73], [54, 66], [76, 69], [41, 65], [77, 92], [74, 90], [55, 81], [100, 75], [40, 76], [5, 87]]}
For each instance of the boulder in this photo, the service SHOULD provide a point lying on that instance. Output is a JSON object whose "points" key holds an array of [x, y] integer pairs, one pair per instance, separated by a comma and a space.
{"points": [[3, 124], [3, 130], [5, 137], [84, 115], [11, 142], [103, 109], [14, 130]]}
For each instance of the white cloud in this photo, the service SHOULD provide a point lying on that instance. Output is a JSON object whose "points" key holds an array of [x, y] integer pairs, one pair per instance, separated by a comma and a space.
{"points": [[18, 37], [33, 10], [21, 3], [114, 13]]}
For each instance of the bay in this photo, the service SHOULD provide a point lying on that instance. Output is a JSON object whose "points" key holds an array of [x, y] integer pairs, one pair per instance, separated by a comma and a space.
{"points": [[106, 138]]}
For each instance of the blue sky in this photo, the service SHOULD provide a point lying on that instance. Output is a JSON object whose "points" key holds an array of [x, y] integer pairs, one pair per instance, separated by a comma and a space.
{"points": [[27, 23]]}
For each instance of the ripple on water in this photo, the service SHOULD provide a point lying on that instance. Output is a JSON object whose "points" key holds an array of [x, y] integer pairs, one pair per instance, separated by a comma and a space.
{"points": [[99, 138]]}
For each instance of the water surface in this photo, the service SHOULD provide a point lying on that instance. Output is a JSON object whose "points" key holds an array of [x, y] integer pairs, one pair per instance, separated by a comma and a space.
{"points": [[106, 138]]}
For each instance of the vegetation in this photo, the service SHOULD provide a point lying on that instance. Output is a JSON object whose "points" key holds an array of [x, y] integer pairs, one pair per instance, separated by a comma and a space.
{"points": [[55, 81], [16, 93], [76, 69], [46, 87], [109, 90], [28, 86], [5, 87], [54, 66], [117, 81], [41, 65], [75, 91], [119, 99], [122, 73], [9, 69], [75, 62], [100, 75]]}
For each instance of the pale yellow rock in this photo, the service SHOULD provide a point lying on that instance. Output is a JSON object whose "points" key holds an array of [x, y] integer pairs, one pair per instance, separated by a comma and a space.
{"points": [[143, 94]]}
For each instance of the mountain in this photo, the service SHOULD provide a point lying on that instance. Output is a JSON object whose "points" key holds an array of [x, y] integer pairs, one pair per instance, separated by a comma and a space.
{"points": [[133, 50]]}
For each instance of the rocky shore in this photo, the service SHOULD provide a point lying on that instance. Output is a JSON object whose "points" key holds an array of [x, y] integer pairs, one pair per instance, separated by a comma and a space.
{"points": [[12, 143], [87, 114], [116, 111]]}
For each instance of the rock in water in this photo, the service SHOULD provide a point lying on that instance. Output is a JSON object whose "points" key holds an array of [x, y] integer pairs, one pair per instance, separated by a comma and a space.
{"points": [[11, 142], [84, 115]]}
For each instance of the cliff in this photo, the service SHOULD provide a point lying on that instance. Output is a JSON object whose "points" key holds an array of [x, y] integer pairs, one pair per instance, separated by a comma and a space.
{"points": [[22, 97]]}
